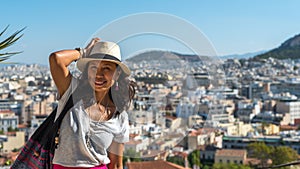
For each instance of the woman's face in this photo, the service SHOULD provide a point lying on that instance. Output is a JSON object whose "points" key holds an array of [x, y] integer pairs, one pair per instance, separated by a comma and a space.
{"points": [[101, 75]]}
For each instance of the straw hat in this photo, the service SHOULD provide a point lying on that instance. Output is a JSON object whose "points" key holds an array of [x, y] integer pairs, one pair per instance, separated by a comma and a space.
{"points": [[103, 51]]}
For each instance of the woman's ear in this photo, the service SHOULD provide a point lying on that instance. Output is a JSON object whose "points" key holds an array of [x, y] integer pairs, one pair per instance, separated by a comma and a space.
{"points": [[117, 75]]}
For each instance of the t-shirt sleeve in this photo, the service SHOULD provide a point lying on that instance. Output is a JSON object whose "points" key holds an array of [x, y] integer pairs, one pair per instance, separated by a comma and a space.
{"points": [[123, 135], [64, 98]]}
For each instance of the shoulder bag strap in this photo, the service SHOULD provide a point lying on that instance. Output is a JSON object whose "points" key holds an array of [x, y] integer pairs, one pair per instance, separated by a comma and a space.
{"points": [[66, 108]]}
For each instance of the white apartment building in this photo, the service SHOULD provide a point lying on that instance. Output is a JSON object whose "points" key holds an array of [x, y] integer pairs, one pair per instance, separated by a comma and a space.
{"points": [[186, 109], [137, 144], [292, 86], [246, 111], [291, 106], [8, 119], [140, 117]]}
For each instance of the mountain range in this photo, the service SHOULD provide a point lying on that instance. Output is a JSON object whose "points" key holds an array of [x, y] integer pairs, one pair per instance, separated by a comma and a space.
{"points": [[168, 55], [243, 56], [290, 49]]}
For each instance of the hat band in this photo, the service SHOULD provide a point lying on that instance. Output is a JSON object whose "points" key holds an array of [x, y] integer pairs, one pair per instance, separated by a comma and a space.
{"points": [[103, 56]]}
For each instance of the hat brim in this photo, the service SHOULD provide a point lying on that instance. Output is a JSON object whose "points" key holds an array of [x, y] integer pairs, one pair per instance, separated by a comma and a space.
{"points": [[81, 64]]}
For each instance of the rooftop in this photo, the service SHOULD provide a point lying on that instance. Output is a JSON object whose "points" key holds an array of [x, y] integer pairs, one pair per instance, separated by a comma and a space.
{"points": [[153, 164]]}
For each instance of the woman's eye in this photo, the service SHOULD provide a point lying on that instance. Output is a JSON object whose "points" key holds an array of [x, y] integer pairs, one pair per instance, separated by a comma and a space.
{"points": [[106, 68], [93, 67]]}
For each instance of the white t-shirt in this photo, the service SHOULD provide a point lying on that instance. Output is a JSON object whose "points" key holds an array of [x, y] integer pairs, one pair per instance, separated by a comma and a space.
{"points": [[73, 150]]}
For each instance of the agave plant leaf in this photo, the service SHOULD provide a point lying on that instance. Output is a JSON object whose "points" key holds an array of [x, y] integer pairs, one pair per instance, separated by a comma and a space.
{"points": [[8, 42], [5, 56], [3, 31]]}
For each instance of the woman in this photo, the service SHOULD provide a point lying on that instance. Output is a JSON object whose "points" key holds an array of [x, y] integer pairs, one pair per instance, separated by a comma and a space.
{"points": [[93, 133]]}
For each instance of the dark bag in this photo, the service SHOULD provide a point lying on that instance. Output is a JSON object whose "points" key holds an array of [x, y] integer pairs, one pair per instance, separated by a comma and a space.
{"points": [[38, 151]]}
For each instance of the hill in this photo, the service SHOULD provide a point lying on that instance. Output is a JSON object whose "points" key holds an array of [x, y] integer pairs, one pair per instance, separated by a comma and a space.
{"points": [[167, 56], [162, 55], [290, 49]]}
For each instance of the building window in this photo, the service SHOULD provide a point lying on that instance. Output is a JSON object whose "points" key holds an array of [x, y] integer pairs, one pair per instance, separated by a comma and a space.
{"points": [[228, 161], [220, 160]]}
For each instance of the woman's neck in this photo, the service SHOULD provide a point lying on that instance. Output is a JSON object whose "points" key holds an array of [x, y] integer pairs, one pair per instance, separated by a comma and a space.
{"points": [[103, 98]]}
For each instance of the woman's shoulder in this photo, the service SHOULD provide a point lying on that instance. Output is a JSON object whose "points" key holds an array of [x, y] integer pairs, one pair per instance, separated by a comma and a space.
{"points": [[122, 116], [70, 90], [124, 113]]}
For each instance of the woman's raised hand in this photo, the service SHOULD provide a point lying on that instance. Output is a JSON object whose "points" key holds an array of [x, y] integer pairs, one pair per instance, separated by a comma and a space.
{"points": [[89, 46]]}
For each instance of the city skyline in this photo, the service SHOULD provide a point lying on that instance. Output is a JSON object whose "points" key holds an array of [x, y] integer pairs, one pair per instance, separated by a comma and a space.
{"points": [[232, 27]]}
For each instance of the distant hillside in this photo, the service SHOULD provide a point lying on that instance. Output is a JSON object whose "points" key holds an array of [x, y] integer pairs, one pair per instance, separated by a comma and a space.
{"points": [[242, 56], [165, 55], [152, 55], [162, 55], [288, 49]]}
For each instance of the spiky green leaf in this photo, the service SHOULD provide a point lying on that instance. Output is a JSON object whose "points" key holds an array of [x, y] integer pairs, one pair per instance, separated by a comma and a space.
{"points": [[8, 42]]}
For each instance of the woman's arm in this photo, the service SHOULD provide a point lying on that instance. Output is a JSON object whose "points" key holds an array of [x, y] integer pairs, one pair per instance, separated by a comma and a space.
{"points": [[59, 62], [115, 155]]}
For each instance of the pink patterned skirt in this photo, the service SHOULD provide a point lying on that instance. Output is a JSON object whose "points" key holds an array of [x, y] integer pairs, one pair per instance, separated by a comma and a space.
{"points": [[56, 166]]}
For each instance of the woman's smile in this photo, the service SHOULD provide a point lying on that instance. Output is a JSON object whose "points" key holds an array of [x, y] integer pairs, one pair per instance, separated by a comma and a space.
{"points": [[100, 83]]}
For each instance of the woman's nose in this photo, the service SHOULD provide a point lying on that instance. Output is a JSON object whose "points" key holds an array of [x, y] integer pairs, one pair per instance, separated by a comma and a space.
{"points": [[99, 72]]}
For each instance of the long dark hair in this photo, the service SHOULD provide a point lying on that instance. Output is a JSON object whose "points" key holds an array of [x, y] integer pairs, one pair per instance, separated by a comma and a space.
{"points": [[121, 97]]}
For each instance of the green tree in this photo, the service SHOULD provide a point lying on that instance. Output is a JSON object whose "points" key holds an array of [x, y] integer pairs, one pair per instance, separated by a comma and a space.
{"points": [[206, 167], [260, 151], [194, 158], [230, 165], [295, 68], [283, 154], [8, 42], [10, 129], [8, 162], [131, 155], [176, 160]]}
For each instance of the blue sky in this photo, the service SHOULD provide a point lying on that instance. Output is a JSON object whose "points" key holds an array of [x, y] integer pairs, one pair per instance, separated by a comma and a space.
{"points": [[231, 26]]}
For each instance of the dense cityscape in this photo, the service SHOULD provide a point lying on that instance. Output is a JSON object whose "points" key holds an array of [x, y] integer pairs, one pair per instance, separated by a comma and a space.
{"points": [[187, 113]]}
